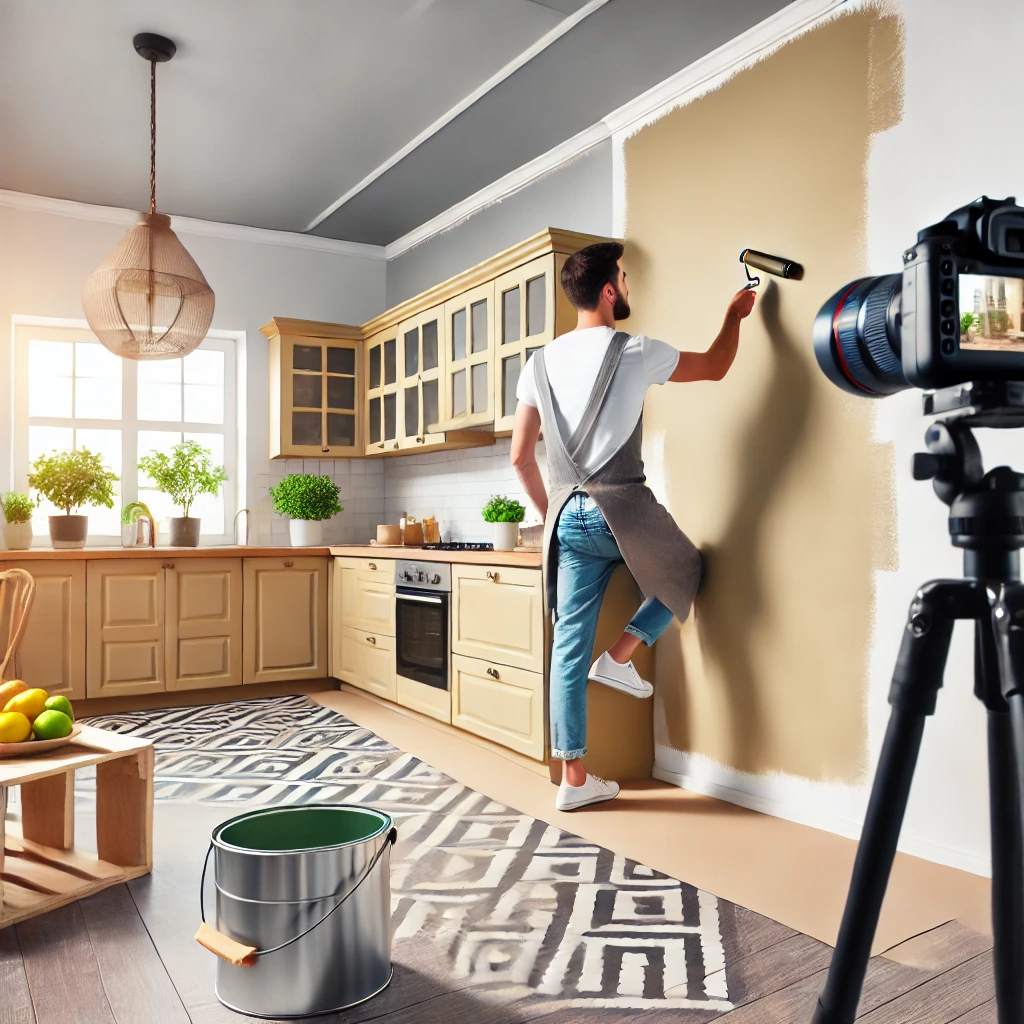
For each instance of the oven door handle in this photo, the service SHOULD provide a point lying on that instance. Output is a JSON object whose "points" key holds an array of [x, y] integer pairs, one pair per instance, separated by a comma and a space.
{"points": [[419, 598]]}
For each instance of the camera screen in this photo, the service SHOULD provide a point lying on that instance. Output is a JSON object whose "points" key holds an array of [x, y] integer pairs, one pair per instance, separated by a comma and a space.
{"points": [[991, 313]]}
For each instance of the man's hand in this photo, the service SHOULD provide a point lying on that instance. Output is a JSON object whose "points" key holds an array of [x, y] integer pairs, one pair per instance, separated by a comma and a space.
{"points": [[741, 304]]}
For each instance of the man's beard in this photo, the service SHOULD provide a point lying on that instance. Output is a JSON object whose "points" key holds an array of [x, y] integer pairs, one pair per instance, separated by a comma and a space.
{"points": [[620, 311]]}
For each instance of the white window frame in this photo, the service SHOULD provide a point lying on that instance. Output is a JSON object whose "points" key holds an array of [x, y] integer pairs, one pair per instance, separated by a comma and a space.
{"points": [[231, 343]]}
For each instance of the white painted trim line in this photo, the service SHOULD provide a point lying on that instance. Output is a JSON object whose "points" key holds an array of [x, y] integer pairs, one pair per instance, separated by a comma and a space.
{"points": [[836, 824], [189, 225], [565, 25]]}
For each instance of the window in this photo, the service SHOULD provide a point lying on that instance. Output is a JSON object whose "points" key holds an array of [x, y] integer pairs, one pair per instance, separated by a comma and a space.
{"points": [[72, 393]]}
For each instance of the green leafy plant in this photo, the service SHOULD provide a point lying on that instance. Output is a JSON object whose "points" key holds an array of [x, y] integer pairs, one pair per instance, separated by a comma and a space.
{"points": [[306, 496], [17, 507], [70, 480], [184, 474], [966, 322], [501, 509]]}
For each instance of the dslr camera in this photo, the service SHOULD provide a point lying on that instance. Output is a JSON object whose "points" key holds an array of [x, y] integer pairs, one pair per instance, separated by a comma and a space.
{"points": [[955, 314]]}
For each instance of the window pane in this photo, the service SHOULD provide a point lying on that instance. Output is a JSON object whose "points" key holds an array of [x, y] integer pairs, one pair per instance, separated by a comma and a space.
{"points": [[459, 334], [509, 383], [160, 505], [431, 411], [479, 311], [307, 391], [151, 441], [458, 393], [43, 440], [306, 357], [374, 421], [375, 367], [480, 387], [205, 366], [210, 509], [536, 305], [412, 352], [390, 417], [166, 370], [106, 443], [390, 361], [412, 411], [204, 404], [341, 392], [430, 345], [159, 400], [306, 428], [341, 429], [341, 360], [93, 360], [49, 378], [510, 315], [214, 443], [97, 398]]}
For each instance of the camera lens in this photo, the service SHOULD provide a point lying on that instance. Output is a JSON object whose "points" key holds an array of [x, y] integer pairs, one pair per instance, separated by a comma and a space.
{"points": [[857, 337]]}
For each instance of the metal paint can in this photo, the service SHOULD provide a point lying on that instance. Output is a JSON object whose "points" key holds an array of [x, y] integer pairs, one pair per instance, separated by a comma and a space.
{"points": [[278, 873]]}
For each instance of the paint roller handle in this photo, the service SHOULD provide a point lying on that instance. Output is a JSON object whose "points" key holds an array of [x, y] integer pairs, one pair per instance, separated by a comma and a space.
{"points": [[777, 265]]}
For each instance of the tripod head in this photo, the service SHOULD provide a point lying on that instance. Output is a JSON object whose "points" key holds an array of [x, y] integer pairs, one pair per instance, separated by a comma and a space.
{"points": [[986, 514]]}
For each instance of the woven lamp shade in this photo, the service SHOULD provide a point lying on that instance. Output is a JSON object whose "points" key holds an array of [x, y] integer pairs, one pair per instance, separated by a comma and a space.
{"points": [[148, 299]]}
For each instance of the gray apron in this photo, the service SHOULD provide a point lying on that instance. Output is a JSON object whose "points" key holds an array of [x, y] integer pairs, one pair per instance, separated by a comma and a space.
{"points": [[662, 559]]}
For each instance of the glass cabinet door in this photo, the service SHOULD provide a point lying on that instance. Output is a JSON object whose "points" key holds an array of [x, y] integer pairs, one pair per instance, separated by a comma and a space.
{"points": [[320, 397], [469, 358], [524, 321], [421, 352], [382, 392]]}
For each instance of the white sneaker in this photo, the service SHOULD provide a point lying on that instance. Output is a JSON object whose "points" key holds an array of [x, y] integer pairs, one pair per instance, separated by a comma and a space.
{"points": [[620, 677], [593, 791]]}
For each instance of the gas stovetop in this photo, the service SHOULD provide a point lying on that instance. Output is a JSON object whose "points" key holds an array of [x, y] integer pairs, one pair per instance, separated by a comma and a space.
{"points": [[459, 545]]}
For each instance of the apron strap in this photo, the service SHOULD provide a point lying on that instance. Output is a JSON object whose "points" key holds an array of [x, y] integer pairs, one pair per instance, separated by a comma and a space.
{"points": [[599, 394]]}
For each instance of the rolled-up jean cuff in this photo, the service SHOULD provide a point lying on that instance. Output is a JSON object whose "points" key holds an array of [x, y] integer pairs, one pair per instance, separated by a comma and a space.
{"points": [[569, 755], [637, 632]]}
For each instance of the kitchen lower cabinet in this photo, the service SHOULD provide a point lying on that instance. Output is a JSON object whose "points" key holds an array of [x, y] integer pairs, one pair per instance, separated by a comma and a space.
{"points": [[499, 703], [498, 615], [52, 651], [203, 635], [284, 619], [366, 660], [125, 627]]}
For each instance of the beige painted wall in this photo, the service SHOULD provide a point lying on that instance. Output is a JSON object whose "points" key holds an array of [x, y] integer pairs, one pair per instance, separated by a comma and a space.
{"points": [[773, 471]]}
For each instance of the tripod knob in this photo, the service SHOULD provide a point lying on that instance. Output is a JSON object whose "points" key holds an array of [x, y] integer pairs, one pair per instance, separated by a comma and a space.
{"points": [[928, 466]]}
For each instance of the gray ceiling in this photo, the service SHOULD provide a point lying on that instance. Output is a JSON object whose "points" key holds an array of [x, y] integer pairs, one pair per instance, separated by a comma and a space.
{"points": [[273, 109]]}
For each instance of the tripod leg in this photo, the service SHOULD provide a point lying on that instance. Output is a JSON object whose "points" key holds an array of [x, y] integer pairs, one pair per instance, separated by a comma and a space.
{"points": [[916, 682]]}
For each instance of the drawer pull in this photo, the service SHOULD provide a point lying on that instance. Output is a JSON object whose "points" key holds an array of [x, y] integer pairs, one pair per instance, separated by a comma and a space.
{"points": [[493, 673], [289, 565], [492, 576], [381, 445], [371, 640], [167, 565], [419, 440], [373, 566]]}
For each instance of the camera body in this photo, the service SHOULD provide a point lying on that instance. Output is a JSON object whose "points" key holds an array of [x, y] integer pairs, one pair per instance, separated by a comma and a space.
{"points": [[955, 314]]}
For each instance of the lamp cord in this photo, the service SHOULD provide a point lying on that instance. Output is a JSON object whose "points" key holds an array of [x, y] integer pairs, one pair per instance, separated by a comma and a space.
{"points": [[152, 136]]}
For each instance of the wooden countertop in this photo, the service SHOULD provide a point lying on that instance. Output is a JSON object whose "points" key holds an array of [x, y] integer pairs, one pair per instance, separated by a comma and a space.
{"points": [[223, 551], [521, 558]]}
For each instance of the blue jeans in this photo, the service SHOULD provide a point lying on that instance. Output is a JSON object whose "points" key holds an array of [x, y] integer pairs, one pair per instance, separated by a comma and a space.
{"points": [[587, 557]]}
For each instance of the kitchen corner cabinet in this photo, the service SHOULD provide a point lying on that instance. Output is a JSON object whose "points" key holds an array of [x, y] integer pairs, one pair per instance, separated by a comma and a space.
{"points": [[52, 651], [315, 389], [284, 619], [381, 352], [420, 409], [469, 358]]}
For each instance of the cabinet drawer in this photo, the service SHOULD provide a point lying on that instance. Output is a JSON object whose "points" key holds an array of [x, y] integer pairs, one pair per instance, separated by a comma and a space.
{"points": [[498, 615], [499, 703], [369, 570], [374, 608], [367, 660]]}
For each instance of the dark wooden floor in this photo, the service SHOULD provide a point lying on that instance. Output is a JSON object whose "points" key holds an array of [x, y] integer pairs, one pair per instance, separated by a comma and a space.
{"points": [[126, 956]]}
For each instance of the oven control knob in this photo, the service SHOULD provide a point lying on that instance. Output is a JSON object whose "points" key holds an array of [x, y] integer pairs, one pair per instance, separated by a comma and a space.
{"points": [[407, 575], [420, 578], [436, 578]]}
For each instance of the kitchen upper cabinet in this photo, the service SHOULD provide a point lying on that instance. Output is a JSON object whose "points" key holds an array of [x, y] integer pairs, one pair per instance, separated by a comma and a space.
{"points": [[421, 351], [284, 619], [382, 392], [315, 390], [52, 651], [469, 358]]}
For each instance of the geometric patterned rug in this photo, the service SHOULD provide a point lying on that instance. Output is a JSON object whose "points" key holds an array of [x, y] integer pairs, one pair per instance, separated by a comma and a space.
{"points": [[509, 906]]}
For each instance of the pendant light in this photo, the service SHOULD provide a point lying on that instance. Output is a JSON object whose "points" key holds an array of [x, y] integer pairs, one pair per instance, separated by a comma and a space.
{"points": [[148, 299]]}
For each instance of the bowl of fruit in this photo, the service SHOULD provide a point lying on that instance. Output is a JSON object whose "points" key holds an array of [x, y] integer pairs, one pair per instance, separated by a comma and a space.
{"points": [[32, 721]]}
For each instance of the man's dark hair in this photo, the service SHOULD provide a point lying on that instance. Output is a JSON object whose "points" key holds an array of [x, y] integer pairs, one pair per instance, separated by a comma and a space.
{"points": [[585, 273]]}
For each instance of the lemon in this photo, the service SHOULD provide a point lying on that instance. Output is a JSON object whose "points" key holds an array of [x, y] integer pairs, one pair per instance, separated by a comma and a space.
{"points": [[31, 703], [51, 725], [11, 689], [14, 727], [60, 704]]}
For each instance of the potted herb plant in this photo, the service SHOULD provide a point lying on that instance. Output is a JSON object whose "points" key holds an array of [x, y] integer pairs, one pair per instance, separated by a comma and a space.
{"points": [[17, 520], [69, 480], [506, 514], [307, 500], [184, 475]]}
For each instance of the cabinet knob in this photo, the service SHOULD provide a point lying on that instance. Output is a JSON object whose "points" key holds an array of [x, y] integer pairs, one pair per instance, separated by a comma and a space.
{"points": [[372, 565], [325, 449], [395, 446], [289, 565], [167, 565], [371, 640], [419, 440], [381, 445], [492, 576], [493, 673]]}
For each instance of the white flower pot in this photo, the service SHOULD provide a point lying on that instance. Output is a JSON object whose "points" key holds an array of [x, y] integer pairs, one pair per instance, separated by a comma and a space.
{"points": [[18, 536], [506, 536], [306, 533]]}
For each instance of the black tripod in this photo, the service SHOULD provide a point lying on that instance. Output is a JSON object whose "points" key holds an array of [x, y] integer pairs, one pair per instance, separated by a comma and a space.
{"points": [[986, 519]]}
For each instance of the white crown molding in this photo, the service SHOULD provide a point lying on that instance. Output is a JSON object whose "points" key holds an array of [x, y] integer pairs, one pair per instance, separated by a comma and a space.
{"points": [[565, 25], [190, 226]]}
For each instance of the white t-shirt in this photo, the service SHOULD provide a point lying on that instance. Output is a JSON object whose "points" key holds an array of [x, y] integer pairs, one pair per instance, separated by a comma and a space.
{"points": [[573, 363]]}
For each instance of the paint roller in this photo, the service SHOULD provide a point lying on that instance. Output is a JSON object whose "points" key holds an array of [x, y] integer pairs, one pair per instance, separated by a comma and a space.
{"points": [[776, 265]]}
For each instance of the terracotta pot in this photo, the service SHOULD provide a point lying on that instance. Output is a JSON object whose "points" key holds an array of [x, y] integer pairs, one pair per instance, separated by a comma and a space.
{"points": [[506, 536], [185, 532], [18, 536], [306, 533], [68, 531]]}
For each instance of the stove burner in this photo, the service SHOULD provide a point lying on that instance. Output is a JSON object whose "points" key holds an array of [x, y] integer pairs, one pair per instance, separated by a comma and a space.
{"points": [[459, 545]]}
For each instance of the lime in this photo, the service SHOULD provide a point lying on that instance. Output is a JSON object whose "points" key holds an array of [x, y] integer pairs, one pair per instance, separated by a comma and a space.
{"points": [[60, 704], [31, 703], [14, 727], [51, 725]]}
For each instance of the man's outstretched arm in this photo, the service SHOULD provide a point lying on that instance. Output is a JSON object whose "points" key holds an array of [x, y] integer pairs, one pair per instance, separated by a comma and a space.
{"points": [[525, 433], [714, 364]]}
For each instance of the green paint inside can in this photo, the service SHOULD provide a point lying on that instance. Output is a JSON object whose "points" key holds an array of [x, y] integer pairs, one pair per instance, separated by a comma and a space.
{"points": [[302, 828]]}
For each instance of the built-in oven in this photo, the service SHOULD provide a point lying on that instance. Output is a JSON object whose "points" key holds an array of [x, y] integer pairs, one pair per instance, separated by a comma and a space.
{"points": [[423, 637]]}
